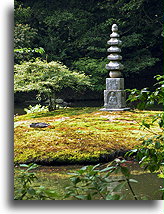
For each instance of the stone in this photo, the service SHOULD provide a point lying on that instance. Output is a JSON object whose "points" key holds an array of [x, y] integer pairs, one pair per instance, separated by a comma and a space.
{"points": [[62, 103], [114, 49], [115, 74], [114, 41], [114, 28], [114, 99], [114, 56], [39, 125], [114, 109], [114, 66], [114, 95], [59, 101], [114, 83]]}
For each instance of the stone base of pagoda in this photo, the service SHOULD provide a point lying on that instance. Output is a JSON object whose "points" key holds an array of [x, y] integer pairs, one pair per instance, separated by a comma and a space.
{"points": [[114, 95], [120, 109]]}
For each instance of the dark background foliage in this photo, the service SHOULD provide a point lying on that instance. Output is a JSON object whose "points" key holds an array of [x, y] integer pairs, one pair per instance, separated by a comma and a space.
{"points": [[76, 32]]}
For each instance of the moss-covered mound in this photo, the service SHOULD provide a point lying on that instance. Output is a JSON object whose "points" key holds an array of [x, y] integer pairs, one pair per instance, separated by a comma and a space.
{"points": [[76, 135]]}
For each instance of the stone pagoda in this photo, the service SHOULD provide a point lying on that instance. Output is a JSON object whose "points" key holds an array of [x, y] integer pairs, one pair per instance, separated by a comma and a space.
{"points": [[114, 95]]}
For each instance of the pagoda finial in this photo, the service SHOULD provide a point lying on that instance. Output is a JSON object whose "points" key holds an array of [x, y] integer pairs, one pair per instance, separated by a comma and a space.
{"points": [[114, 28], [114, 66]]}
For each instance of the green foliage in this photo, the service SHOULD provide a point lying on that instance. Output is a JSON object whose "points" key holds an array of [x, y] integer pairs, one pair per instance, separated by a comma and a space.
{"points": [[36, 108], [26, 190], [87, 183], [158, 93], [63, 29], [132, 40], [23, 54], [139, 62], [146, 98], [28, 50], [95, 68], [150, 152], [22, 15], [47, 78], [95, 183], [24, 36], [70, 31], [44, 77]]}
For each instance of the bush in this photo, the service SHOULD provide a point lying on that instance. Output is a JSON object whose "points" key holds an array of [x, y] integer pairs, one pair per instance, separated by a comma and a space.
{"points": [[145, 98], [95, 183], [47, 79], [150, 152], [27, 190], [36, 108]]}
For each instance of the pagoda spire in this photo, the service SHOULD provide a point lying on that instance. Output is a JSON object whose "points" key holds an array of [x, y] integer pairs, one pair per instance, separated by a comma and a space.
{"points": [[114, 66]]}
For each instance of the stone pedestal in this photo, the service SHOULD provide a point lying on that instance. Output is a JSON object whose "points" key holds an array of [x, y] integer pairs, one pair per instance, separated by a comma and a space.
{"points": [[114, 95]]}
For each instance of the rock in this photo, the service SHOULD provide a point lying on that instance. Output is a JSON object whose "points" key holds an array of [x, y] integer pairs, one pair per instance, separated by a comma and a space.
{"points": [[59, 101], [39, 125], [62, 103]]}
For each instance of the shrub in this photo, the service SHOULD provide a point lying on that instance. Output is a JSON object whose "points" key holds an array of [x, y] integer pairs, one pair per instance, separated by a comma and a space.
{"points": [[27, 190], [36, 108], [48, 79], [95, 183], [145, 97]]}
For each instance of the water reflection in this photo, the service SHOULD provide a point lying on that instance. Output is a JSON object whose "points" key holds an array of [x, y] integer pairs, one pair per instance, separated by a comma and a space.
{"points": [[147, 188]]}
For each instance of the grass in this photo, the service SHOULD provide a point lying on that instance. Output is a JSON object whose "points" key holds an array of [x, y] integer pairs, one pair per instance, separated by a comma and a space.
{"points": [[76, 135]]}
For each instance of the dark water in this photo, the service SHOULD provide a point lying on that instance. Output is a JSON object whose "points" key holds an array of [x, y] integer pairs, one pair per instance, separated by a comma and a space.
{"points": [[19, 109], [147, 188]]}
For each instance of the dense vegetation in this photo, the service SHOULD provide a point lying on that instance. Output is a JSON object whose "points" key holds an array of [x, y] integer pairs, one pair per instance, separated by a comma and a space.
{"points": [[76, 32]]}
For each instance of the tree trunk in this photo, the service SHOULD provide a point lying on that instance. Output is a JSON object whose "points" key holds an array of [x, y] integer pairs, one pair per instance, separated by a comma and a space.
{"points": [[52, 101]]}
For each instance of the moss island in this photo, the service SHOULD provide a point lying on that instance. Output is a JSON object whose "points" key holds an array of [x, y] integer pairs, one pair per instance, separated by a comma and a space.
{"points": [[77, 135]]}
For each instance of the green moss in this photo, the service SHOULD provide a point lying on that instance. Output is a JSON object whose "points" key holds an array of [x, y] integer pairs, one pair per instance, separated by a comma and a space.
{"points": [[76, 135], [59, 112]]}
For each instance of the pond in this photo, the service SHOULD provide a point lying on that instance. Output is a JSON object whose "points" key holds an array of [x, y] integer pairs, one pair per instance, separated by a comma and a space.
{"points": [[57, 178], [19, 108]]}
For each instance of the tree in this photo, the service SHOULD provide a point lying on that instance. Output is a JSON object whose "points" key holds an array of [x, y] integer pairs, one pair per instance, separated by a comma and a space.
{"points": [[47, 79], [95, 68], [24, 36], [70, 31]]}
